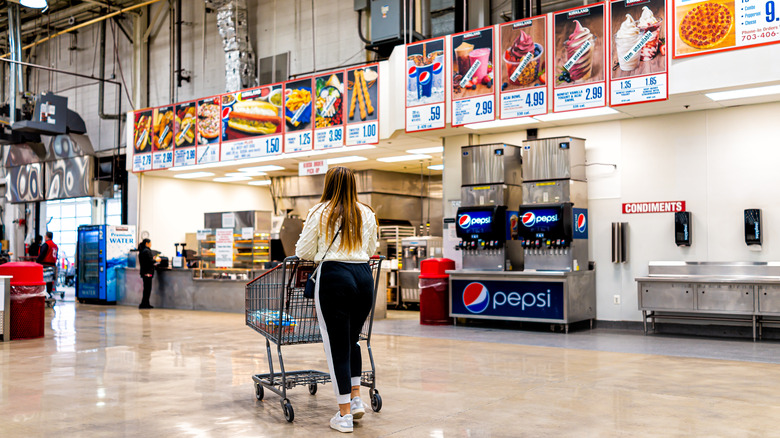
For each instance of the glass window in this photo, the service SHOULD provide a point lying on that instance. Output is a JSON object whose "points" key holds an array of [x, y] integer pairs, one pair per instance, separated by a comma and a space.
{"points": [[84, 209], [63, 217]]}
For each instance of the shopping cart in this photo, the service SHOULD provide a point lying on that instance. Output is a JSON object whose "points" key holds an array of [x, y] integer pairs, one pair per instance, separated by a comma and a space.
{"points": [[50, 276], [277, 309]]}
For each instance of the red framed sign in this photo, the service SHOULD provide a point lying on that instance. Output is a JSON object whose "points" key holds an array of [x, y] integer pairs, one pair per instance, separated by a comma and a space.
{"points": [[425, 82], [523, 53], [472, 61]]}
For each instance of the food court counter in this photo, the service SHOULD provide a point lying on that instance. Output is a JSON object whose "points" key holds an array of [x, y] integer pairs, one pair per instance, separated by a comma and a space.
{"points": [[177, 289], [556, 297]]}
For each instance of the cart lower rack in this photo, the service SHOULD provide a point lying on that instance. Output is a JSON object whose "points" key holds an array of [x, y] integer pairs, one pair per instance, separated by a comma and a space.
{"points": [[277, 309]]}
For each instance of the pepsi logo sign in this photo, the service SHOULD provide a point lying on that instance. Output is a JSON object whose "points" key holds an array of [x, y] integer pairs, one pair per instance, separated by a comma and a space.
{"points": [[476, 297], [530, 219], [581, 223], [466, 221], [425, 77]]}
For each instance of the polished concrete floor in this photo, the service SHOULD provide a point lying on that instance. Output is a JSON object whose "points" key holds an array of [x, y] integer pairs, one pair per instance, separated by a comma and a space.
{"points": [[120, 371]]}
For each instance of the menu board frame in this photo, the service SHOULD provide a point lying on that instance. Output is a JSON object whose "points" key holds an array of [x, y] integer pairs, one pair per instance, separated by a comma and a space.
{"points": [[631, 79], [678, 5], [177, 132], [206, 143], [247, 140], [299, 135], [481, 99], [371, 116], [141, 154], [327, 132], [520, 90], [412, 77], [585, 85], [161, 157]]}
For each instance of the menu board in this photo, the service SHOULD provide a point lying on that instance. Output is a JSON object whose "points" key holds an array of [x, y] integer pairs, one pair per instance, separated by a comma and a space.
{"points": [[184, 128], [473, 96], [209, 130], [702, 27], [142, 141], [579, 76], [162, 137], [298, 115], [362, 102], [425, 85], [252, 123], [523, 67], [329, 111], [637, 52]]}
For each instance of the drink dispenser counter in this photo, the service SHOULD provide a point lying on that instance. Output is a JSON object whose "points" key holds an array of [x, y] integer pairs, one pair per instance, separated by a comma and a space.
{"points": [[524, 235]]}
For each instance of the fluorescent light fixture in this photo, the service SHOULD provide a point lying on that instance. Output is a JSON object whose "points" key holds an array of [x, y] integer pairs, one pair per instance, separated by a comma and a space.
{"points": [[34, 4], [745, 92], [304, 154], [436, 167], [265, 182], [605, 111], [267, 168], [232, 178], [347, 159], [502, 123], [243, 174], [353, 148], [434, 150], [397, 158], [193, 175]]}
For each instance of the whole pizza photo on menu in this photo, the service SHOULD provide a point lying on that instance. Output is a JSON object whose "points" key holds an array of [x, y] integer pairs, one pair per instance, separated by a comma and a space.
{"points": [[704, 26]]}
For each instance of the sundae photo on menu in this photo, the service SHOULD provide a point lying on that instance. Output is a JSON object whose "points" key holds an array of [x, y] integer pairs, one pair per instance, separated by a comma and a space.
{"points": [[425, 73], [638, 39], [579, 46], [523, 54], [472, 64]]}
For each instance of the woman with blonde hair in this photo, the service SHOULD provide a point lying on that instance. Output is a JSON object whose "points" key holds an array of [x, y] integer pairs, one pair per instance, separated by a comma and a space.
{"points": [[341, 233]]}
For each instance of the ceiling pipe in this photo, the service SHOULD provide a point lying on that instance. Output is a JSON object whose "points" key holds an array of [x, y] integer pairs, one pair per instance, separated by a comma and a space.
{"points": [[16, 69], [425, 18], [85, 24], [102, 76]]}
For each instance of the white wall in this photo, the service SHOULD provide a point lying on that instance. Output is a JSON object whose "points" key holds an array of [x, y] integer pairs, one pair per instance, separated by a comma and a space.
{"points": [[719, 161], [170, 208]]}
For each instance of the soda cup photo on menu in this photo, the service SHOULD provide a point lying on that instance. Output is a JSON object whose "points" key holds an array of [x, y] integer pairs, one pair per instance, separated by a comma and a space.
{"points": [[424, 81]]}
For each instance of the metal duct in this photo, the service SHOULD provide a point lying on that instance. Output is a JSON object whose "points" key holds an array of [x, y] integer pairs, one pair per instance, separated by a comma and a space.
{"points": [[233, 25], [70, 171]]}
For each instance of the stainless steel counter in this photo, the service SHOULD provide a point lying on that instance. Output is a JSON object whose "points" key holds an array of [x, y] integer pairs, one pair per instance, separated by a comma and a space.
{"points": [[736, 292], [176, 289], [556, 297]]}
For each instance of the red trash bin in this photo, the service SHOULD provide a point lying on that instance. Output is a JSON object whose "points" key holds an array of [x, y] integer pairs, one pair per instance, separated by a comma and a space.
{"points": [[434, 291], [28, 299]]}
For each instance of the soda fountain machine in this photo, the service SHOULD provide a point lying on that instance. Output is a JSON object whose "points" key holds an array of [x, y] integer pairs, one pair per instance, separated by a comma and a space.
{"points": [[487, 219], [547, 235]]}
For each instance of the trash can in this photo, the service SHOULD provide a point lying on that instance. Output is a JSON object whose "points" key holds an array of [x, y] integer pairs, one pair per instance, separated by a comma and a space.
{"points": [[434, 291], [28, 299]]}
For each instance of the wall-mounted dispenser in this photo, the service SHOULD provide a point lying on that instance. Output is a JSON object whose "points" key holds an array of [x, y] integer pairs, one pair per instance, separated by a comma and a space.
{"points": [[682, 228], [754, 234], [619, 242]]}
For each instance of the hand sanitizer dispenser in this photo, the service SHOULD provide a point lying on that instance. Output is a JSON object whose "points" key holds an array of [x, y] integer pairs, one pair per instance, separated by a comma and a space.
{"points": [[754, 234], [682, 228]]}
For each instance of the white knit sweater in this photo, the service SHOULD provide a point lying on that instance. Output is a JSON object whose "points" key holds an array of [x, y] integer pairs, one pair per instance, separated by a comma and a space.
{"points": [[312, 244]]}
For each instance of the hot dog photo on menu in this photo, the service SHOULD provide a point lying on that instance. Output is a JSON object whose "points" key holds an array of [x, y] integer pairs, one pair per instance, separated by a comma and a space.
{"points": [[252, 113]]}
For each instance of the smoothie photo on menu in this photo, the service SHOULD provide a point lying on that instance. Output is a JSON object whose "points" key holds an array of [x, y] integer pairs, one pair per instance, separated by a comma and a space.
{"points": [[472, 64]]}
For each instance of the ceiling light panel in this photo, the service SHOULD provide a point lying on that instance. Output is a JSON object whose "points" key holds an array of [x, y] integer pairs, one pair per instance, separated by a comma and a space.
{"points": [[412, 157]]}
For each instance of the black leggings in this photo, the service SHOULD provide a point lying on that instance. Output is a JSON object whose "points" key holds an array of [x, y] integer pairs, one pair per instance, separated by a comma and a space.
{"points": [[344, 297]]}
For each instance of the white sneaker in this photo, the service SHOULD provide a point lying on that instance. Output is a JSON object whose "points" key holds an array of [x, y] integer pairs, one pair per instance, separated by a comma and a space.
{"points": [[357, 408], [342, 424]]}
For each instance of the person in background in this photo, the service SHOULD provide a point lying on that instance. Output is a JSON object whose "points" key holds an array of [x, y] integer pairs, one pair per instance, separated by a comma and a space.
{"points": [[147, 260], [47, 256], [35, 247], [341, 233]]}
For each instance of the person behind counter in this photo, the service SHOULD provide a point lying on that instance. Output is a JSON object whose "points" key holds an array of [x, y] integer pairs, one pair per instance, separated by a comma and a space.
{"points": [[341, 233], [147, 260]]}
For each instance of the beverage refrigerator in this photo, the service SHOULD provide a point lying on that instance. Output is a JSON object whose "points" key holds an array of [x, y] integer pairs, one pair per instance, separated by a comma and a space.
{"points": [[101, 251]]}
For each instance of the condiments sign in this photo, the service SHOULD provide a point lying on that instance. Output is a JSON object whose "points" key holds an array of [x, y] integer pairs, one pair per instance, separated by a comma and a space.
{"points": [[654, 207]]}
